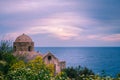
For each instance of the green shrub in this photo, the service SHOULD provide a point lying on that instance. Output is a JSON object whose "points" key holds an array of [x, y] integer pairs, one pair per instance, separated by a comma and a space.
{"points": [[77, 72]]}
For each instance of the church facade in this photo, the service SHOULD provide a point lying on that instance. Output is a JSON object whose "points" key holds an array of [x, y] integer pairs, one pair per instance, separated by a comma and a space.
{"points": [[23, 45]]}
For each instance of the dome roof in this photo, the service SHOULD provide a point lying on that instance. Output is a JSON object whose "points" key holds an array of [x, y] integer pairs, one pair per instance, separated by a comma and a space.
{"points": [[23, 38]]}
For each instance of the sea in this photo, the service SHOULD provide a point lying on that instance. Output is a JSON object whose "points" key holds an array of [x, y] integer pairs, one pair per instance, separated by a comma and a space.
{"points": [[98, 59]]}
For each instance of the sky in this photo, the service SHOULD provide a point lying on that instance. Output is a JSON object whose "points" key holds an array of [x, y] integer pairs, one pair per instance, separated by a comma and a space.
{"points": [[62, 23]]}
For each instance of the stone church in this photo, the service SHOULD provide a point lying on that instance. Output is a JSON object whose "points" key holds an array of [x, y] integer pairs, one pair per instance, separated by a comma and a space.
{"points": [[24, 45]]}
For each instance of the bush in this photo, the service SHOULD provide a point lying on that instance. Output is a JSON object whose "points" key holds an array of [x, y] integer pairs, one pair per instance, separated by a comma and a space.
{"points": [[77, 72], [61, 76], [33, 70]]}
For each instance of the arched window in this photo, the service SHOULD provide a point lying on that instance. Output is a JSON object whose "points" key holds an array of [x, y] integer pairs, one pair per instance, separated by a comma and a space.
{"points": [[29, 48], [49, 58]]}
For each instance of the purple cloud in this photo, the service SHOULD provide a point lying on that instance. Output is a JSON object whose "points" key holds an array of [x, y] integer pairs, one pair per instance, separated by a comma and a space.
{"points": [[77, 22]]}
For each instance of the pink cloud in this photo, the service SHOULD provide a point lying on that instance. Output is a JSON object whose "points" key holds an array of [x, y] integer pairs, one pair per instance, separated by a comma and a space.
{"points": [[113, 37], [92, 36], [59, 25], [100, 37], [22, 6]]}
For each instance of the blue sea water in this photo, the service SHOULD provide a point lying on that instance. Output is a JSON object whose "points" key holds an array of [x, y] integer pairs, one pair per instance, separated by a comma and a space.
{"points": [[94, 58]]}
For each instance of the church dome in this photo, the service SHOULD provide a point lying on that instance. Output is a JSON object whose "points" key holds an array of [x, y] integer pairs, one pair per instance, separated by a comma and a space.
{"points": [[23, 38]]}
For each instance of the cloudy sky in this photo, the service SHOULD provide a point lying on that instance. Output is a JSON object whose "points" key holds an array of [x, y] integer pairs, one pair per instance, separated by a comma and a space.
{"points": [[62, 22]]}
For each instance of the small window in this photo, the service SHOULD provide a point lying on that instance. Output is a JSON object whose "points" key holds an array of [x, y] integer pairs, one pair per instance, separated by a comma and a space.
{"points": [[14, 48], [29, 48], [49, 58]]}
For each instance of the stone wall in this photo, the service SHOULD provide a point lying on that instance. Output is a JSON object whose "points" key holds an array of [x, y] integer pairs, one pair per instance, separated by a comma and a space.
{"points": [[62, 65], [54, 61], [23, 46]]}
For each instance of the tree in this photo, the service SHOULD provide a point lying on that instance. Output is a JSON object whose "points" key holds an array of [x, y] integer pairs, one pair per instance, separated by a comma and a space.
{"points": [[5, 47], [6, 56]]}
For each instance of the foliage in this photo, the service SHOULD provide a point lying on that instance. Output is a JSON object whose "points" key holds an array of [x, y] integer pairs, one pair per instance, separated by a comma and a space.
{"points": [[61, 76], [51, 69], [118, 75], [6, 57], [77, 72], [33, 70], [2, 66], [36, 64], [5, 47], [94, 77], [83, 73], [38, 67], [1, 76], [18, 65]]}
